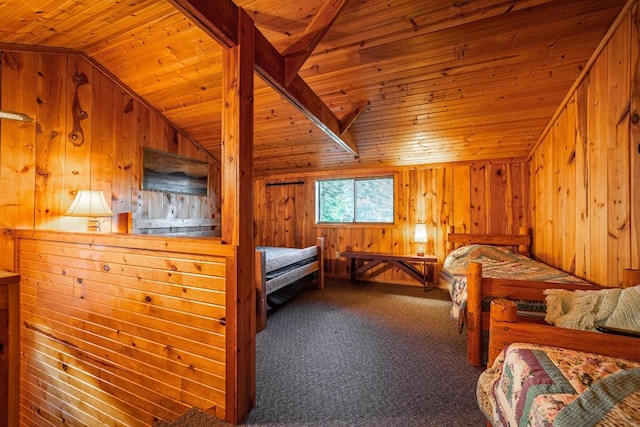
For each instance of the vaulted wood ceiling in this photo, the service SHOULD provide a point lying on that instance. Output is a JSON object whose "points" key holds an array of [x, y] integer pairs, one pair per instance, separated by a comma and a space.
{"points": [[444, 80]]}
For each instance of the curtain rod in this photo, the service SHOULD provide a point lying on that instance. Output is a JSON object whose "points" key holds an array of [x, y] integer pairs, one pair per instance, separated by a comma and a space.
{"points": [[272, 184]]}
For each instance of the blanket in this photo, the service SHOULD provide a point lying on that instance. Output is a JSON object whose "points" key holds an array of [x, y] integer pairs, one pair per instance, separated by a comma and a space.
{"points": [[534, 385], [497, 262]]}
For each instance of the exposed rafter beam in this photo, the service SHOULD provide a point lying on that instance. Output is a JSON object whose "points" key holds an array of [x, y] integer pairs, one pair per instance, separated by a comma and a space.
{"points": [[219, 19], [351, 117], [297, 54]]}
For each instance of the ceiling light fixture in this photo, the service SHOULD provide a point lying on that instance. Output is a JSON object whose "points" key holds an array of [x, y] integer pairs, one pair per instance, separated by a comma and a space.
{"points": [[12, 115]]}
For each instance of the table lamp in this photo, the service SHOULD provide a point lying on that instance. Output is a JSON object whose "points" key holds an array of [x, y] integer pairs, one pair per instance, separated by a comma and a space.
{"points": [[420, 237], [92, 204]]}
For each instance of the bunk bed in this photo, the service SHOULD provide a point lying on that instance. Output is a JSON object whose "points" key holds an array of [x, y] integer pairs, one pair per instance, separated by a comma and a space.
{"points": [[548, 375], [280, 273], [481, 267]]}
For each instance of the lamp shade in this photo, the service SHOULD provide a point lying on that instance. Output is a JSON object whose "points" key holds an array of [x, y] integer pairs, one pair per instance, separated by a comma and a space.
{"points": [[90, 203], [420, 235]]}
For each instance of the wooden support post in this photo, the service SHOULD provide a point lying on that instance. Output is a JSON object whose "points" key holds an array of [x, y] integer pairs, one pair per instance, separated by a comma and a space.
{"points": [[237, 212], [261, 290], [474, 314], [320, 278], [502, 310]]}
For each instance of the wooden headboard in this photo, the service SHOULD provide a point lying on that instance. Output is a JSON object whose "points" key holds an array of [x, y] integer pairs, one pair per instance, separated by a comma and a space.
{"points": [[520, 242], [172, 226]]}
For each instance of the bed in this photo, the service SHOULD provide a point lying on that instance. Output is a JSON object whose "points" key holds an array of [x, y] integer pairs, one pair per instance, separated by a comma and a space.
{"points": [[480, 267], [280, 273], [542, 375]]}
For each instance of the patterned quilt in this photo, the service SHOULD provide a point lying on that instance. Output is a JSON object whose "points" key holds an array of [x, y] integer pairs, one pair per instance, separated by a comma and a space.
{"points": [[533, 385], [497, 262]]}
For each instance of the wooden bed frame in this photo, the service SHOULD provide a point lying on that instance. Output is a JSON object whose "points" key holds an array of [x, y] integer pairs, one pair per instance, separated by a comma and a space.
{"points": [[202, 227], [264, 266], [506, 327], [478, 287]]}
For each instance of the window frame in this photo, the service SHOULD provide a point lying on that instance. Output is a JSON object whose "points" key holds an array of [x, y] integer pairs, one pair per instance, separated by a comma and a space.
{"points": [[392, 176]]}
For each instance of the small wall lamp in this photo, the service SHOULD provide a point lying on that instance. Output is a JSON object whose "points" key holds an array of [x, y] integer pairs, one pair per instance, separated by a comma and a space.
{"points": [[420, 237], [12, 115], [92, 204]]}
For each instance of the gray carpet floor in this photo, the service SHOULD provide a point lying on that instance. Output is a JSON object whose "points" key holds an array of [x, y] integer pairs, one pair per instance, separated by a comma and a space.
{"points": [[364, 355]]}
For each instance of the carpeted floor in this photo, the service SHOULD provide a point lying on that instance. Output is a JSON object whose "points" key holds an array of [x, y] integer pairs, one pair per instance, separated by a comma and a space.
{"points": [[366, 355]]}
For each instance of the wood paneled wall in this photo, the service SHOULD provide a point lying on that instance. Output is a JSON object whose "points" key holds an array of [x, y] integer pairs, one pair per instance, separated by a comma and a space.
{"points": [[89, 133], [121, 330], [482, 197], [586, 203]]}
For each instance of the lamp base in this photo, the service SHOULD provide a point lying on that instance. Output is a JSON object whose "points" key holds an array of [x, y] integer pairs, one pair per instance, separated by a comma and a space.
{"points": [[420, 250], [93, 224]]}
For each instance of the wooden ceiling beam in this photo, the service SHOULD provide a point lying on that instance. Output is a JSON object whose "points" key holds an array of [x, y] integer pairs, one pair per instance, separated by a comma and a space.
{"points": [[297, 54], [219, 20], [351, 117]]}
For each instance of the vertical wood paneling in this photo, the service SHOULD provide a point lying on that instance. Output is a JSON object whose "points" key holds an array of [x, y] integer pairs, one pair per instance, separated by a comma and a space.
{"points": [[582, 205], [558, 190], [18, 154], [25, 139], [519, 183], [583, 213], [439, 196], [461, 198], [446, 205], [634, 150], [50, 139], [123, 159], [103, 137], [79, 108], [88, 134], [498, 211], [599, 124], [479, 198], [569, 186], [618, 163]]}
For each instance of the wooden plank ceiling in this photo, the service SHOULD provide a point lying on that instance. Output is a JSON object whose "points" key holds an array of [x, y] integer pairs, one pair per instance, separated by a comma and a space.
{"points": [[444, 80]]}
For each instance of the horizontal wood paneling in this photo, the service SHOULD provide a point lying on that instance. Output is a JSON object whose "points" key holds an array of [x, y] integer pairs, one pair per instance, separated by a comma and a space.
{"points": [[582, 171], [480, 197], [42, 165], [114, 332]]}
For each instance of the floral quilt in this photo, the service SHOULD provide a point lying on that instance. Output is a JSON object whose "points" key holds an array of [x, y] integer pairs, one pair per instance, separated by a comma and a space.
{"points": [[497, 262], [534, 385]]}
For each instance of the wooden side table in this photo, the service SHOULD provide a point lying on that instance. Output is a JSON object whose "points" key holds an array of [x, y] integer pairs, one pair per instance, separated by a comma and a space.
{"points": [[403, 262]]}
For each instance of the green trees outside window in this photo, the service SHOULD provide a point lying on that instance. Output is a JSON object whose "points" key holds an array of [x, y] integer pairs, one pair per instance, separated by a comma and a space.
{"points": [[358, 200]]}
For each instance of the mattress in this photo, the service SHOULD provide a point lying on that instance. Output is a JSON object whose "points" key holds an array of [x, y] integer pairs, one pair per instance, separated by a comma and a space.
{"points": [[498, 262], [271, 253], [534, 385]]}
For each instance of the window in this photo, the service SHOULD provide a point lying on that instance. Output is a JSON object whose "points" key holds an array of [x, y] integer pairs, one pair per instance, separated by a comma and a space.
{"points": [[356, 200]]}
